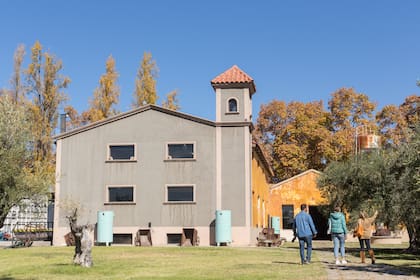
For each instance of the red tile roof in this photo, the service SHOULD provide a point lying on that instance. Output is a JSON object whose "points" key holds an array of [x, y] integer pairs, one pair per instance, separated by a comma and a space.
{"points": [[233, 76]]}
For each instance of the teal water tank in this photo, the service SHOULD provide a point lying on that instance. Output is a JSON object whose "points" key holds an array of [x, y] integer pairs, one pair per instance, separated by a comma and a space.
{"points": [[275, 224], [105, 221], [223, 227]]}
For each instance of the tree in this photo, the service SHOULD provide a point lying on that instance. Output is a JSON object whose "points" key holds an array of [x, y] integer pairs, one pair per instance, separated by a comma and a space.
{"points": [[45, 83], [20, 176], [105, 96], [295, 135], [348, 110], [83, 235], [16, 81], [171, 102], [396, 123], [386, 180], [145, 84]]}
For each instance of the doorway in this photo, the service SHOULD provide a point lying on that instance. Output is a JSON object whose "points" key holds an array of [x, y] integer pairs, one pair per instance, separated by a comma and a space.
{"points": [[319, 214]]}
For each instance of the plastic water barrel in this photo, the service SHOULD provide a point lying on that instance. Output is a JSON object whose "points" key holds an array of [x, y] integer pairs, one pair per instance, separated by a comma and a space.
{"points": [[105, 221], [275, 224], [223, 227]]}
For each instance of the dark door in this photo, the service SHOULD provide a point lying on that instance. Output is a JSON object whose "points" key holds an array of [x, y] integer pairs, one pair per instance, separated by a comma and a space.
{"points": [[320, 220]]}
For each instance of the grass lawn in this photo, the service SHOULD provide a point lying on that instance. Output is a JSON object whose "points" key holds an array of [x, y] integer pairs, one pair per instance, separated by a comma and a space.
{"points": [[118, 262]]}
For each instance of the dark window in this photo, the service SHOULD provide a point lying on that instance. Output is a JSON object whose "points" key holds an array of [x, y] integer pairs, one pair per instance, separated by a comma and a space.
{"points": [[121, 152], [180, 151], [233, 105], [288, 216], [180, 194], [122, 238], [174, 238], [121, 194]]}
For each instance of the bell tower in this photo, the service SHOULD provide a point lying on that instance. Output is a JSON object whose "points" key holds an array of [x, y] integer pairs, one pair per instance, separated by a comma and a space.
{"points": [[234, 89]]}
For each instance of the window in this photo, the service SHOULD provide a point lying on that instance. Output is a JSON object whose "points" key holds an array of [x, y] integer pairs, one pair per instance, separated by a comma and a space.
{"points": [[120, 194], [180, 151], [121, 152], [288, 216], [180, 193], [122, 238], [232, 105], [174, 238]]}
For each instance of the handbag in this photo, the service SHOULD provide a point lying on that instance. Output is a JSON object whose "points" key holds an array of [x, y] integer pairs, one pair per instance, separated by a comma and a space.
{"points": [[358, 232]]}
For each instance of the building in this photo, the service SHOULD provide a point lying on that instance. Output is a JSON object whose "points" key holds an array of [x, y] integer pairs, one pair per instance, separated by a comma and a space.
{"points": [[287, 196], [164, 171]]}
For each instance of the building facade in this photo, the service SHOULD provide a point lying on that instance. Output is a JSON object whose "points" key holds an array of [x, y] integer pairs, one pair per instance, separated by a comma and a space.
{"points": [[165, 171]]}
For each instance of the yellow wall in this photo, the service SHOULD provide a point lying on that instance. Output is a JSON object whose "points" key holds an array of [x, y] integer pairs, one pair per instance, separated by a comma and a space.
{"points": [[261, 190], [295, 191]]}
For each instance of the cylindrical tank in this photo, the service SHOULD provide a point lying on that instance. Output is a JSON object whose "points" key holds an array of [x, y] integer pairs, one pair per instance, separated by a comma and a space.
{"points": [[105, 221], [223, 227], [275, 224], [369, 141]]}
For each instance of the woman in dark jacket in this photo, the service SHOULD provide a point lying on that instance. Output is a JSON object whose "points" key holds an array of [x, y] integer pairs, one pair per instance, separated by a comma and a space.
{"points": [[337, 228]]}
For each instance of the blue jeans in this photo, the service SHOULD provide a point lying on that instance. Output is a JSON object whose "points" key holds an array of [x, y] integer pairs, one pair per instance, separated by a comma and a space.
{"points": [[339, 239], [308, 241]]}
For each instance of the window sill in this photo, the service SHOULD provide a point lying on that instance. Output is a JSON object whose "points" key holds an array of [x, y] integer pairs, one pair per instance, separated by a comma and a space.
{"points": [[179, 202], [124, 160], [180, 159], [119, 203], [232, 113]]}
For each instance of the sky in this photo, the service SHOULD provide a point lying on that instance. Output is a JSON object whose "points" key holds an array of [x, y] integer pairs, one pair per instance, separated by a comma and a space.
{"points": [[295, 50]]}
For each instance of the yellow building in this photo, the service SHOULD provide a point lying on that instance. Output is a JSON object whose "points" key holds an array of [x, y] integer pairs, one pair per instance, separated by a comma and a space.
{"points": [[287, 196], [261, 179]]}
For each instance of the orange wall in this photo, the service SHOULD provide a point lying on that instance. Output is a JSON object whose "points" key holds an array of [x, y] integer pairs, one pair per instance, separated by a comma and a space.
{"points": [[261, 190], [295, 191]]}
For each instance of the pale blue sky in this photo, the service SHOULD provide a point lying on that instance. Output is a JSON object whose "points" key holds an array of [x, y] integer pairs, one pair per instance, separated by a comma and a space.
{"points": [[297, 50]]}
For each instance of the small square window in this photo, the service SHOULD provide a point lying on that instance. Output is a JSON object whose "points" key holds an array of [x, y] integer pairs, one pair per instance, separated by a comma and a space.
{"points": [[121, 194], [180, 194], [180, 151], [121, 152]]}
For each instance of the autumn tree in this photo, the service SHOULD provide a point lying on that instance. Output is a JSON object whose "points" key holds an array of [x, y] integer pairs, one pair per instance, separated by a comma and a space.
{"points": [[106, 95], [171, 101], [20, 176], [396, 122], [17, 87], [295, 135], [45, 84], [349, 110], [145, 84]]}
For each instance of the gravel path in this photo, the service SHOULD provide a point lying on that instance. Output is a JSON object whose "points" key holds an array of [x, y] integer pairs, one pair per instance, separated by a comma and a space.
{"points": [[354, 270]]}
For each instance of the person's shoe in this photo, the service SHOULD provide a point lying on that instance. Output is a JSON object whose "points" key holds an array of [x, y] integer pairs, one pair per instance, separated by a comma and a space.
{"points": [[343, 261], [305, 262], [337, 261]]}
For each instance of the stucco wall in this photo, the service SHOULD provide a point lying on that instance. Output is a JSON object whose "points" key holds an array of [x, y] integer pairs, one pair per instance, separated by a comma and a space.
{"points": [[295, 191], [84, 172]]}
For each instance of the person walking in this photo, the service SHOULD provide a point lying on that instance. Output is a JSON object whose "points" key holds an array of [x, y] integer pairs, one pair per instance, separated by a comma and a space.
{"points": [[338, 230], [304, 229], [364, 232]]}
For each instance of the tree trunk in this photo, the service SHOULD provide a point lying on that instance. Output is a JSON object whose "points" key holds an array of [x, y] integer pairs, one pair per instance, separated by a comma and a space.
{"points": [[83, 236], [414, 243]]}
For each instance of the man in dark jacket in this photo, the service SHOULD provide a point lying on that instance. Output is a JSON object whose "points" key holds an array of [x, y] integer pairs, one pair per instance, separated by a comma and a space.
{"points": [[304, 229]]}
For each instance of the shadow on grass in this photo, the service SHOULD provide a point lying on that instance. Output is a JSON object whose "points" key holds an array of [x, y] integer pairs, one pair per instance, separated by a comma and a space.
{"points": [[7, 278], [399, 255]]}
